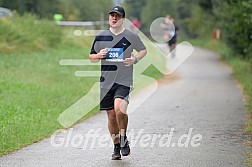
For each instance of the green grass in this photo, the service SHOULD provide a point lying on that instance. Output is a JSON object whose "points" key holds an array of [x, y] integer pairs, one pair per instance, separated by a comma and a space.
{"points": [[34, 87], [243, 72], [221, 48], [34, 90], [25, 33]]}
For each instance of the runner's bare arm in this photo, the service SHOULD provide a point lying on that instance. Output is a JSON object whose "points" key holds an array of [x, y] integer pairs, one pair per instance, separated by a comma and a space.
{"points": [[141, 54], [134, 59], [94, 58]]}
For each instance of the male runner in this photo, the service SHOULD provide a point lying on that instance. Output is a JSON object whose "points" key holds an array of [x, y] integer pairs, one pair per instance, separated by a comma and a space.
{"points": [[169, 34], [172, 42], [114, 47]]}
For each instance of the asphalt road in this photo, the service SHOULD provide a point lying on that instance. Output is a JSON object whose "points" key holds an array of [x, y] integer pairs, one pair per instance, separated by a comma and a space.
{"points": [[195, 118]]}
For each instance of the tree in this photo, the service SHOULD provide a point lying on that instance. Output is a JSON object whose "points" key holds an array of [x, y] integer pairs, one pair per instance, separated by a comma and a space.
{"points": [[72, 10], [45, 8], [158, 8], [134, 8], [90, 10], [234, 18]]}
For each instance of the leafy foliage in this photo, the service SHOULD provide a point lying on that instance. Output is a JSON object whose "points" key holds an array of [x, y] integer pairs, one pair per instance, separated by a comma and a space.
{"points": [[72, 10], [235, 20], [24, 33], [155, 9]]}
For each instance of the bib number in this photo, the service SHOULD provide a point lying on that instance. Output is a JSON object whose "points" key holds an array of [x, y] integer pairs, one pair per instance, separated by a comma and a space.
{"points": [[115, 54]]}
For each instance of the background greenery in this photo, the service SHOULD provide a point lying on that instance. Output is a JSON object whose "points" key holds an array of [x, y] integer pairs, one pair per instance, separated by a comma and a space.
{"points": [[196, 18]]}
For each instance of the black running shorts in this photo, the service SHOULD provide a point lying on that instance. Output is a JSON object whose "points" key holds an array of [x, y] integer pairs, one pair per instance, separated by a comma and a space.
{"points": [[172, 41], [107, 97]]}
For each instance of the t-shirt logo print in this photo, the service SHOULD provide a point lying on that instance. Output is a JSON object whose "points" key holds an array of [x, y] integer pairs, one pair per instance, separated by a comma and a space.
{"points": [[123, 43]]}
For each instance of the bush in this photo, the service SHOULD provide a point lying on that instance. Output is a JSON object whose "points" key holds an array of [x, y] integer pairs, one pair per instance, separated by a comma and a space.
{"points": [[24, 33], [234, 19]]}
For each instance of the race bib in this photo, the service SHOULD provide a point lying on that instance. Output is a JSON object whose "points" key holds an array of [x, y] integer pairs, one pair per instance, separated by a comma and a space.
{"points": [[114, 54]]}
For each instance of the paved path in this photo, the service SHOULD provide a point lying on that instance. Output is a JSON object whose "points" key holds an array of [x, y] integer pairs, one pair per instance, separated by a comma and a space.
{"points": [[203, 101]]}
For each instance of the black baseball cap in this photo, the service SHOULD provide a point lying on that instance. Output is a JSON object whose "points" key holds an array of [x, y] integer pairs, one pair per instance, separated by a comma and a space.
{"points": [[118, 9]]}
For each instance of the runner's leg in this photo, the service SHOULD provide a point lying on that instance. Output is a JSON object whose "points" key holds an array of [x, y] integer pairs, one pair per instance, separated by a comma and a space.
{"points": [[121, 115], [113, 125]]}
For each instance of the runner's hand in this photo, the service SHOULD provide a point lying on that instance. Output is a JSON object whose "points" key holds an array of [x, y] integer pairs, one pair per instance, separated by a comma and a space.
{"points": [[130, 61], [102, 53]]}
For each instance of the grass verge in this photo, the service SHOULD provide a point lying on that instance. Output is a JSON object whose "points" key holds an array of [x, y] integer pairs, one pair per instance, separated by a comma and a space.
{"points": [[34, 90], [25, 33]]}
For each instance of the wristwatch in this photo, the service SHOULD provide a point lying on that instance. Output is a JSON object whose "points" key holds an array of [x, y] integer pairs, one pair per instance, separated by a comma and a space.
{"points": [[136, 60]]}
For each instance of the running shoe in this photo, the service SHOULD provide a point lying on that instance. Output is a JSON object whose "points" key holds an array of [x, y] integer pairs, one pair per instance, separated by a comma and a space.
{"points": [[116, 154], [125, 150]]}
